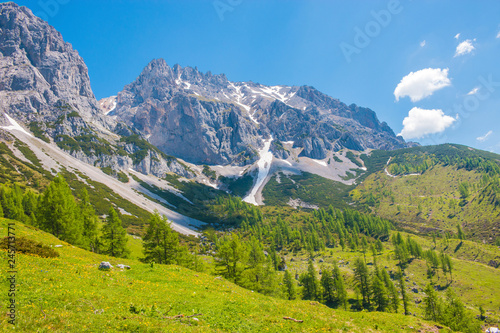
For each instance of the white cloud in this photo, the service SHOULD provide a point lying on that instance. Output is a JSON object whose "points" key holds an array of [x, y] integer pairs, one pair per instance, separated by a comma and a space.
{"points": [[473, 91], [464, 48], [422, 43], [498, 34], [420, 84], [457, 36], [422, 122], [484, 137]]}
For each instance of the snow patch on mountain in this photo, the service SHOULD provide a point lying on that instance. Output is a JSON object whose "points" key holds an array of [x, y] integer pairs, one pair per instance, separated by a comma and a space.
{"points": [[14, 126], [264, 165]]}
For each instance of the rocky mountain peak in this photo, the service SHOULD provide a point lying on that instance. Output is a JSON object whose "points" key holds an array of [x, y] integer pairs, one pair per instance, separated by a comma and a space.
{"points": [[41, 75], [315, 121]]}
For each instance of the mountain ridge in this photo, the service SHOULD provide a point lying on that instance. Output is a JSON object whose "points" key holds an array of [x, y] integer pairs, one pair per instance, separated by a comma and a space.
{"points": [[331, 127]]}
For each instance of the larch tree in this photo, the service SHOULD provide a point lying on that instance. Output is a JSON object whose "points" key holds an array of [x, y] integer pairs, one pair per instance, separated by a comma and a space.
{"points": [[90, 223], [114, 236], [161, 243], [289, 286], [57, 212], [362, 278]]}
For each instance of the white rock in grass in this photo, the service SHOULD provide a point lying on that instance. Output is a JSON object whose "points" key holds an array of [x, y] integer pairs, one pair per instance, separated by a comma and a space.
{"points": [[105, 265]]}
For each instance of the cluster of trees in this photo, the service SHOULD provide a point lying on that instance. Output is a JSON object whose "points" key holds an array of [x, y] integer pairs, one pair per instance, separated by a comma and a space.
{"points": [[70, 219], [404, 251], [161, 245], [248, 265], [330, 288], [418, 161], [450, 312], [316, 231], [411, 163], [377, 290]]}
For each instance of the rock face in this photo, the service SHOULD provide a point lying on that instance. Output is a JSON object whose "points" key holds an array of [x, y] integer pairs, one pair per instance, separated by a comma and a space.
{"points": [[167, 111], [41, 76], [44, 83], [181, 123], [205, 118]]}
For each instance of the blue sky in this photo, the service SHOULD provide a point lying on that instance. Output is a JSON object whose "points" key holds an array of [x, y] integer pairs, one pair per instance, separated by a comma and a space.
{"points": [[356, 51]]}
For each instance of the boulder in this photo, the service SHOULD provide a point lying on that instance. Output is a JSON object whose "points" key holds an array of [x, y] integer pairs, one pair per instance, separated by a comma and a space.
{"points": [[105, 265], [122, 266]]}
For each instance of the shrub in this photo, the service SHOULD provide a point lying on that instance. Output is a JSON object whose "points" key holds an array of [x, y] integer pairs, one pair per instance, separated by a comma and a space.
{"points": [[28, 246]]}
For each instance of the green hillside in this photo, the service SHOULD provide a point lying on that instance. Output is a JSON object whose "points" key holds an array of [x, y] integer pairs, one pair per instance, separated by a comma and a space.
{"points": [[69, 293], [432, 189]]}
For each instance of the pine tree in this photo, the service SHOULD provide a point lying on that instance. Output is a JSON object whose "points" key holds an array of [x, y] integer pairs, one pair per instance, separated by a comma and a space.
{"points": [[455, 315], [379, 246], [379, 294], [90, 223], [341, 292], [1, 210], [161, 243], [406, 303], [460, 233], [57, 212], [433, 307], [328, 286], [364, 247], [114, 236], [362, 280], [310, 283], [11, 202], [290, 291], [256, 255], [449, 266], [392, 293], [30, 203], [230, 257]]}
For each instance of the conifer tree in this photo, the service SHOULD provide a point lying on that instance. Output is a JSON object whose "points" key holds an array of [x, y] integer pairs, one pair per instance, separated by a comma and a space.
{"points": [[379, 246], [289, 285], [406, 303], [379, 294], [392, 292], [30, 203], [161, 243], [362, 278], [310, 283], [57, 212], [341, 292], [433, 307], [460, 233], [328, 285], [364, 247], [90, 223], [230, 257], [114, 236], [456, 316]]}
